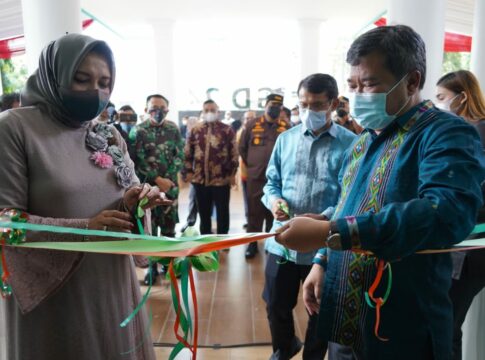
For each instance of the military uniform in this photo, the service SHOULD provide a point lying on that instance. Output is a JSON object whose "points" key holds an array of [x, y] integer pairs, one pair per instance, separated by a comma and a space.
{"points": [[159, 151], [255, 147]]}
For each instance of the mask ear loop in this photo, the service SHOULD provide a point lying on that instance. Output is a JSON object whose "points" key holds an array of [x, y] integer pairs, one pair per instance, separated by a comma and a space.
{"points": [[460, 104], [407, 101]]}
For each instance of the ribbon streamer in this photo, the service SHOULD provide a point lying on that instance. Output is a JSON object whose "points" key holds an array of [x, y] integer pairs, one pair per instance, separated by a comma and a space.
{"points": [[179, 254]]}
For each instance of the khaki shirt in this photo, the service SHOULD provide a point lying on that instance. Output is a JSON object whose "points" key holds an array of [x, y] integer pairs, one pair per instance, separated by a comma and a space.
{"points": [[256, 145]]}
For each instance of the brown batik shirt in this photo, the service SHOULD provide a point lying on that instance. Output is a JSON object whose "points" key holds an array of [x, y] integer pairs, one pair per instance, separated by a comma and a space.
{"points": [[211, 155]]}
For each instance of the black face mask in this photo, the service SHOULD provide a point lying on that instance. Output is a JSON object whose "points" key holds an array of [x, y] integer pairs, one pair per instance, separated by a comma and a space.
{"points": [[82, 106], [341, 113], [274, 112], [159, 115]]}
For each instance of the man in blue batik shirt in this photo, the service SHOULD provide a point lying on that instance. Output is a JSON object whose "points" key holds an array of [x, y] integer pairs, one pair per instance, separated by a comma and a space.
{"points": [[302, 178], [410, 182]]}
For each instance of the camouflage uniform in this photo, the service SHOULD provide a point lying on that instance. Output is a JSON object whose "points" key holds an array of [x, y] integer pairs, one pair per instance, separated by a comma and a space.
{"points": [[159, 151]]}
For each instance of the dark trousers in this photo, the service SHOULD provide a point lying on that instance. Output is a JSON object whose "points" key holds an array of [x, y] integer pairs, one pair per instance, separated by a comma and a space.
{"points": [[192, 217], [206, 197], [244, 185], [281, 289], [257, 212], [462, 292]]}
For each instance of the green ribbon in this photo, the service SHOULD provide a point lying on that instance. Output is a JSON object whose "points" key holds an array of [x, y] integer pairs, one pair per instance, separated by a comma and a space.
{"points": [[151, 244]]}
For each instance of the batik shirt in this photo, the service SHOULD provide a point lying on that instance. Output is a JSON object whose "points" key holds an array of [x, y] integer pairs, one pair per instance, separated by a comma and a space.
{"points": [[415, 186], [159, 152], [303, 170], [211, 155]]}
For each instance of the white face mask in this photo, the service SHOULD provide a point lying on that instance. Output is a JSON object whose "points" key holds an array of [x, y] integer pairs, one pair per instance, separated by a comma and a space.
{"points": [[210, 116], [295, 119], [445, 106]]}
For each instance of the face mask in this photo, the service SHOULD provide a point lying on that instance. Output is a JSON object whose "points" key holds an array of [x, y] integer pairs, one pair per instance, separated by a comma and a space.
{"points": [[126, 127], [274, 112], [82, 106], [369, 109], [210, 117], [341, 113], [446, 106], [158, 115], [295, 119], [313, 120]]}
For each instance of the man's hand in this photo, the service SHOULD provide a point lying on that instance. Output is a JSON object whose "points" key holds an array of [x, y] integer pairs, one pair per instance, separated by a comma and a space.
{"points": [[303, 234], [312, 289], [315, 216], [164, 184], [277, 211], [232, 181]]}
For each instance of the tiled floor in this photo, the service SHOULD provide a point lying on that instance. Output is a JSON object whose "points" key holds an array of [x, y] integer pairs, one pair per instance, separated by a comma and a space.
{"points": [[231, 310]]}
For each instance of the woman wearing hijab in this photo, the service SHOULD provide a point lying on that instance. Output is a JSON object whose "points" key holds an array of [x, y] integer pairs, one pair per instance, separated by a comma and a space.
{"points": [[460, 93], [64, 169]]}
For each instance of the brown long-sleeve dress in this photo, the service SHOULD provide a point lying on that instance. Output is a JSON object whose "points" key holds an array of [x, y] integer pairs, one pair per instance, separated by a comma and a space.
{"points": [[65, 305]]}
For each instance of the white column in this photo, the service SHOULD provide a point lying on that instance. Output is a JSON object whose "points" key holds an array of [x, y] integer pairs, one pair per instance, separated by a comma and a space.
{"points": [[165, 59], [427, 18], [474, 327], [45, 21], [309, 45], [478, 43]]}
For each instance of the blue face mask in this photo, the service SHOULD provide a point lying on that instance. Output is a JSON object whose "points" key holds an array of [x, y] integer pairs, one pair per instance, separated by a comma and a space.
{"points": [[313, 120], [126, 127], [369, 109]]}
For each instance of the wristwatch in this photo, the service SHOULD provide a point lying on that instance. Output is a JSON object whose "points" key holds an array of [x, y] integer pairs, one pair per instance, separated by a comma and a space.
{"points": [[334, 240]]}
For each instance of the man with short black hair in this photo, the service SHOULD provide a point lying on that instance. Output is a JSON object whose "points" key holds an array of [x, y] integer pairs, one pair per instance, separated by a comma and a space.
{"points": [[10, 101], [211, 161], [411, 182], [343, 117], [312, 150], [159, 157], [255, 146], [126, 119]]}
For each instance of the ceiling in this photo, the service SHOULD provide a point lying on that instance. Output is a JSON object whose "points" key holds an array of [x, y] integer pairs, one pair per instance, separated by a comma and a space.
{"points": [[121, 14]]}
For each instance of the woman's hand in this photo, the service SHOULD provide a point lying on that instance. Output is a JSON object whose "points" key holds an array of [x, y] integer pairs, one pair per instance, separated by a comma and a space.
{"points": [[113, 219], [303, 234], [136, 193]]}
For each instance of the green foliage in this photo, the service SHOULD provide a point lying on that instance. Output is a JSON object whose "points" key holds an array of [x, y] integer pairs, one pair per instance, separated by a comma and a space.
{"points": [[453, 61], [13, 75]]}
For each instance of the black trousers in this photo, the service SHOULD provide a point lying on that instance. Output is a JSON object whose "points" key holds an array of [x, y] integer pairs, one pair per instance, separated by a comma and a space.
{"points": [[192, 217], [281, 290], [463, 291], [257, 212], [244, 185], [206, 197]]}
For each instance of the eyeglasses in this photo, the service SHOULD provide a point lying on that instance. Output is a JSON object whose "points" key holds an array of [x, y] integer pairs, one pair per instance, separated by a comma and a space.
{"points": [[318, 106]]}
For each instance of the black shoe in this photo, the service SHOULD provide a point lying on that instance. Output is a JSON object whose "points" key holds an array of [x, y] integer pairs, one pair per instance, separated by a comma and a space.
{"points": [[296, 346], [245, 226], [154, 275], [252, 250]]}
